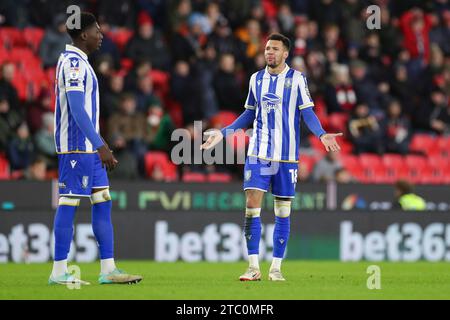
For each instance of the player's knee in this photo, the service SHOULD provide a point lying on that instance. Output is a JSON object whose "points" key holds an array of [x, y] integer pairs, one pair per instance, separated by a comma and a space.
{"points": [[68, 201], [253, 199], [282, 208], [100, 196]]}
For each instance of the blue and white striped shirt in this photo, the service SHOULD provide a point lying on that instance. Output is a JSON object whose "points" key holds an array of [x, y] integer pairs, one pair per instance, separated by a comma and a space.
{"points": [[278, 101], [74, 73]]}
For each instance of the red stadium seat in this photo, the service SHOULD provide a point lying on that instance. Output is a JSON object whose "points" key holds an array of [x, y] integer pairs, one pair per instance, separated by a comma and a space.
{"points": [[194, 177], [443, 146], [415, 162], [309, 161], [219, 177], [346, 146], [318, 147], [154, 158], [369, 160], [4, 55], [349, 161], [422, 143], [439, 162], [392, 160], [160, 82], [11, 37], [33, 37], [4, 168], [337, 122], [121, 37], [223, 119]]}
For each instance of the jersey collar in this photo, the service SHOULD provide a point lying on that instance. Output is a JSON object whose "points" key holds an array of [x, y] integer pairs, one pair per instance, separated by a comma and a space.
{"points": [[283, 73], [76, 50]]}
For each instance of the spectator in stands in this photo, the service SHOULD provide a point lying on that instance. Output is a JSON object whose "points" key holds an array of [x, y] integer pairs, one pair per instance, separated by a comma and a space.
{"points": [[159, 129], [325, 12], [304, 175], [184, 88], [141, 68], [365, 132], [340, 95], [21, 148], [406, 199], [226, 82], [110, 101], [145, 97], [416, 27], [149, 44], [300, 42], [36, 110], [224, 41], [45, 141], [343, 176], [429, 110], [7, 88], [397, 128], [441, 33], [390, 35], [108, 47], [440, 116], [126, 130], [37, 171], [188, 43], [10, 119], [178, 14], [121, 14], [365, 87], [54, 41], [252, 36], [325, 169], [402, 89]]}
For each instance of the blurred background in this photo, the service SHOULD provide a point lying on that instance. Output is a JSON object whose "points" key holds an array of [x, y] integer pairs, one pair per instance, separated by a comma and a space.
{"points": [[164, 64]]}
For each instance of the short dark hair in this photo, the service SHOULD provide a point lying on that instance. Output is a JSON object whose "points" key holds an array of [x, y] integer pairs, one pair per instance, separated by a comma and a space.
{"points": [[404, 187], [86, 19], [282, 38]]}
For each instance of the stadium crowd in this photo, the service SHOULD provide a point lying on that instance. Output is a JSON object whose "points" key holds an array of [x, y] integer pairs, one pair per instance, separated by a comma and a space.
{"points": [[165, 64]]}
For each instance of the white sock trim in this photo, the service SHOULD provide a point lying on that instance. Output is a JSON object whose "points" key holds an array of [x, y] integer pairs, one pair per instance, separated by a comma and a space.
{"points": [[100, 196], [282, 208], [59, 268], [253, 260], [66, 201], [276, 263], [107, 265], [252, 212]]}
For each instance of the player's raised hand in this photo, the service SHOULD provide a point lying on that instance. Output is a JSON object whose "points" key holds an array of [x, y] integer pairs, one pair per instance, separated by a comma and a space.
{"points": [[107, 158], [329, 141], [214, 137]]}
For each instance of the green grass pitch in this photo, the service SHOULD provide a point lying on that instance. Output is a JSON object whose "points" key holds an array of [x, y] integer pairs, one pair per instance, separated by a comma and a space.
{"points": [[195, 281]]}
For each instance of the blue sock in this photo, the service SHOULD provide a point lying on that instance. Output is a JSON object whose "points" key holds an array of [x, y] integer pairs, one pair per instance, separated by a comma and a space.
{"points": [[103, 229], [280, 236], [63, 228], [252, 231]]}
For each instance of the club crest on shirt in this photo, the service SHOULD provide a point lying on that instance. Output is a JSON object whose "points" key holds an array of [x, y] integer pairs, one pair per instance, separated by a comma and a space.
{"points": [[85, 182], [270, 101], [288, 83]]}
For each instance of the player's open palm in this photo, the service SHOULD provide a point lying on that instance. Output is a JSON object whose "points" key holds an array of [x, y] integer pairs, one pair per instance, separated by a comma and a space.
{"points": [[214, 137], [329, 141]]}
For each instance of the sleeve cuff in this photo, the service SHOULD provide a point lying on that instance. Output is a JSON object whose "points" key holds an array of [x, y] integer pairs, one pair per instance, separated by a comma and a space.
{"points": [[306, 105], [250, 107]]}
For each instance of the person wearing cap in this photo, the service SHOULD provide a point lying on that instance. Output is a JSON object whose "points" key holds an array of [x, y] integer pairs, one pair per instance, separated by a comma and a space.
{"points": [[148, 44]]}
